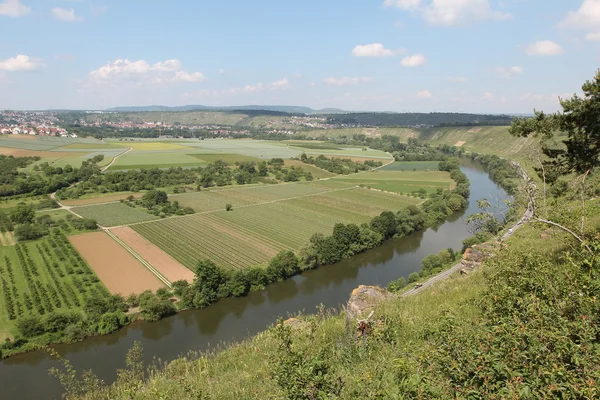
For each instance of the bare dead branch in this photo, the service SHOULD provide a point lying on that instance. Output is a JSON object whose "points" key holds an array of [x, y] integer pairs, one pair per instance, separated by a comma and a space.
{"points": [[579, 239]]}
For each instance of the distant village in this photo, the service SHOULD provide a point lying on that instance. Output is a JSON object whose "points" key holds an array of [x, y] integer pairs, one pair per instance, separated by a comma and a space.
{"points": [[31, 123]]}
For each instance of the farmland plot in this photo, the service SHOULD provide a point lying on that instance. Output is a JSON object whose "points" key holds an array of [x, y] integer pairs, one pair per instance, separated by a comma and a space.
{"points": [[42, 276], [113, 214], [165, 264], [402, 181], [197, 237], [268, 219], [115, 266], [214, 200]]}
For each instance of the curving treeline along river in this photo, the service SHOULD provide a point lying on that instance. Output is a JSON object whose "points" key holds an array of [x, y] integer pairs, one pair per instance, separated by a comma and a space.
{"points": [[26, 376]]}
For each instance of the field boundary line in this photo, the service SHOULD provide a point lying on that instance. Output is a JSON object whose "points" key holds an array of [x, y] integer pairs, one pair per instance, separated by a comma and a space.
{"points": [[145, 263]]}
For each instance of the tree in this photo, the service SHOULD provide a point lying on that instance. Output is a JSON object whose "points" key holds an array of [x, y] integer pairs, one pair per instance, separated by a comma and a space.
{"points": [[154, 308], [207, 284], [111, 322], [385, 224], [228, 207], [262, 169], [22, 214], [579, 120], [283, 265], [153, 198]]}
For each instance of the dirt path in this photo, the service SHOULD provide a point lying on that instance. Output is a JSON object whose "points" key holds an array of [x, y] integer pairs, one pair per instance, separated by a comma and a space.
{"points": [[115, 159]]}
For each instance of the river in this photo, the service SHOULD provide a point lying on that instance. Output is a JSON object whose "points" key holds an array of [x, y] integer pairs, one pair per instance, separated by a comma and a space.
{"points": [[26, 376]]}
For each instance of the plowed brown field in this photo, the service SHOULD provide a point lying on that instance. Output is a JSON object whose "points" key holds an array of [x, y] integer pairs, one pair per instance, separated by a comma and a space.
{"points": [[164, 263], [116, 267]]}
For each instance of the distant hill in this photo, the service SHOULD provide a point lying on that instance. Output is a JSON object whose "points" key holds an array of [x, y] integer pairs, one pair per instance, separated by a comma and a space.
{"points": [[285, 109], [420, 119]]}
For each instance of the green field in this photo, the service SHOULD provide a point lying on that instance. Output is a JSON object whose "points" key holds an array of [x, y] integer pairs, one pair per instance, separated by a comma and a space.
{"points": [[403, 182], [147, 159], [264, 220], [49, 276], [411, 166], [40, 143], [113, 214], [214, 200]]}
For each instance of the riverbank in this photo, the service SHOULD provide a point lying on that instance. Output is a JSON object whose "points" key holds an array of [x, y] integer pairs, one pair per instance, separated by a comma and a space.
{"points": [[235, 319]]}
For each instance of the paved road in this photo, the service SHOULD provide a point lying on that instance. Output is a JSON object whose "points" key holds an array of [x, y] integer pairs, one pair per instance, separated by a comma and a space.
{"points": [[455, 268]]}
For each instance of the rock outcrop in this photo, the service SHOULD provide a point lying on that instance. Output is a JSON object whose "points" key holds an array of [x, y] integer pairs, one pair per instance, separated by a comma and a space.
{"points": [[295, 323], [364, 299], [475, 255]]}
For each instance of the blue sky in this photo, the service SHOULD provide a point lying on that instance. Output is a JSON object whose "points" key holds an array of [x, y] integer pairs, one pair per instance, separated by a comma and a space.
{"points": [[382, 55]]}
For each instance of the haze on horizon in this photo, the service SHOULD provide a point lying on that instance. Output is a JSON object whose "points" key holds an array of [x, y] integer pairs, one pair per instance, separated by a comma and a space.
{"points": [[482, 56]]}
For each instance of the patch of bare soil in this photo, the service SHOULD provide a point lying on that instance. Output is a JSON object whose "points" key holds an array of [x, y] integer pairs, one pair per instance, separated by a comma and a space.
{"points": [[119, 271]]}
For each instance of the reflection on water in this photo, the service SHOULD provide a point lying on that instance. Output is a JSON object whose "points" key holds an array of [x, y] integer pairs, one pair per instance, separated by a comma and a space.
{"points": [[236, 319]]}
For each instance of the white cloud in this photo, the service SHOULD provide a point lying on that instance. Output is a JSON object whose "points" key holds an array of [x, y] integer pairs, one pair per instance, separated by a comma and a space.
{"points": [[593, 37], [489, 96], [413, 61], [13, 8], [544, 48], [140, 72], [282, 84], [66, 15], [424, 94], [20, 62], [182, 76], [403, 4], [508, 72], [347, 80], [458, 79], [374, 50], [450, 12], [587, 17]]}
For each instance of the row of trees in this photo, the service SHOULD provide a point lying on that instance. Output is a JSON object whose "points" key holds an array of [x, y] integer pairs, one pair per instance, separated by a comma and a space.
{"points": [[340, 166], [219, 173]]}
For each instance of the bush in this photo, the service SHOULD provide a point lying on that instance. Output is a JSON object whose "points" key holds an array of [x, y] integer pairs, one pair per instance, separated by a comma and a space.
{"points": [[30, 326], [397, 285], [154, 308], [58, 321], [111, 322], [413, 277]]}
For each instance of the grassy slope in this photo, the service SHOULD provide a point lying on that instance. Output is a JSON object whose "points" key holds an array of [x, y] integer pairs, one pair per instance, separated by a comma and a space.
{"points": [[486, 140]]}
